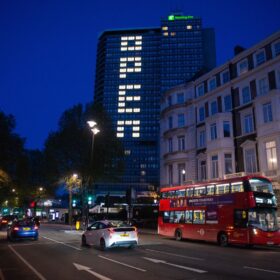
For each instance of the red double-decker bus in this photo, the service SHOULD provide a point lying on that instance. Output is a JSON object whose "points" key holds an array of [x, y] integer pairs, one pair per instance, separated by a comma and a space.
{"points": [[240, 210]]}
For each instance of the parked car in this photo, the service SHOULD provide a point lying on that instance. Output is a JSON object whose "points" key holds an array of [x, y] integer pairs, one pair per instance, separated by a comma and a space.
{"points": [[7, 220], [22, 229], [108, 234]]}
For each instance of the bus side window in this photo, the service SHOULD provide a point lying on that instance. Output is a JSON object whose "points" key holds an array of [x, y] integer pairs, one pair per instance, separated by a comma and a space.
{"points": [[189, 216], [199, 217], [237, 187], [189, 192], [171, 217], [240, 218], [211, 190], [179, 217], [166, 216], [199, 191]]}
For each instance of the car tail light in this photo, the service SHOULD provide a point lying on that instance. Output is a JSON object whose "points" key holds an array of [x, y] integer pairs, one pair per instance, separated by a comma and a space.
{"points": [[136, 230], [4, 221], [16, 228], [111, 231]]}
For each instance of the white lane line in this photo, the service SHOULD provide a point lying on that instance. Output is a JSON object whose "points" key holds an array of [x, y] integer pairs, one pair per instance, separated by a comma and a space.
{"points": [[39, 275], [260, 269], [176, 255], [124, 264], [32, 244], [1, 275], [65, 244], [175, 265]]}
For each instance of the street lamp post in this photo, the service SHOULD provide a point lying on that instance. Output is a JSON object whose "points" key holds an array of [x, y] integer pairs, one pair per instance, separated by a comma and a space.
{"points": [[94, 129], [70, 186]]}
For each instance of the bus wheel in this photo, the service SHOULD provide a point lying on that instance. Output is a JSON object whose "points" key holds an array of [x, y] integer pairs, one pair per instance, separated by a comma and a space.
{"points": [[178, 235], [223, 239]]}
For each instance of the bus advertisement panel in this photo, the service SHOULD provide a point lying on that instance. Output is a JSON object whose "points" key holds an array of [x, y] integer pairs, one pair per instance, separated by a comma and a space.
{"points": [[239, 210]]}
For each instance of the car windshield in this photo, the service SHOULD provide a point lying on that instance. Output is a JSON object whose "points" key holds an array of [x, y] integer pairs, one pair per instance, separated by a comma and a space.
{"points": [[264, 219], [117, 224], [260, 185]]}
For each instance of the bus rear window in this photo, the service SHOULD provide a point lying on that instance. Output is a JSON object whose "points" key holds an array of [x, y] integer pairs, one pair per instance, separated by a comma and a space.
{"points": [[260, 185]]}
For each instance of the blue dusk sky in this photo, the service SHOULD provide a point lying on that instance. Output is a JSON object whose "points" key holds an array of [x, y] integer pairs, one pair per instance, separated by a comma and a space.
{"points": [[48, 48]]}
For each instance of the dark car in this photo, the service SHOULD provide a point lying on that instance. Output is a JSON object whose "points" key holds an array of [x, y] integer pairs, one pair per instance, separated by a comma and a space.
{"points": [[23, 229], [7, 220]]}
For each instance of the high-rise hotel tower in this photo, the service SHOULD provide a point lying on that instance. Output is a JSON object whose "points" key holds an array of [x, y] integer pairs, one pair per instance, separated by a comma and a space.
{"points": [[134, 67]]}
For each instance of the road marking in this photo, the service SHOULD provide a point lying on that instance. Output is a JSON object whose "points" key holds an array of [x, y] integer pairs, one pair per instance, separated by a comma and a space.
{"points": [[260, 269], [176, 265], [65, 244], [176, 255], [40, 276], [88, 269], [124, 264], [1, 275]]}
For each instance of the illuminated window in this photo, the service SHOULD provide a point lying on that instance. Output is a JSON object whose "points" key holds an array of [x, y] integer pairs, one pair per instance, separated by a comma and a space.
{"points": [[122, 76], [173, 33], [123, 59], [130, 70], [129, 110], [135, 134], [120, 128], [138, 48], [137, 69], [123, 64], [165, 28], [136, 110], [121, 104], [124, 38], [136, 122], [122, 70], [120, 110], [123, 49], [131, 38], [137, 98], [137, 86], [138, 43], [124, 43], [129, 98], [165, 33], [130, 59], [132, 48], [127, 152], [120, 135], [138, 37], [136, 128], [189, 27], [121, 98], [138, 64], [122, 87], [129, 86], [120, 122], [121, 92], [137, 58], [128, 122]]}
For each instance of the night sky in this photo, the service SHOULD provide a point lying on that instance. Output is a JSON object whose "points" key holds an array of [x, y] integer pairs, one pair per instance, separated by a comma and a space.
{"points": [[48, 48]]}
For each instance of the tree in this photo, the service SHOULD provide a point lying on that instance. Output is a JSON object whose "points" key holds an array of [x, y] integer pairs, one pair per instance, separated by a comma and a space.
{"points": [[68, 150]]}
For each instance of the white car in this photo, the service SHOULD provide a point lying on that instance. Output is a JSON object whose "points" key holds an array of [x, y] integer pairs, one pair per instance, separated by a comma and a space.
{"points": [[108, 234]]}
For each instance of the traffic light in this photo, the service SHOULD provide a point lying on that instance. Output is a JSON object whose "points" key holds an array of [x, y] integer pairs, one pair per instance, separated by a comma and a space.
{"points": [[74, 203], [89, 200]]}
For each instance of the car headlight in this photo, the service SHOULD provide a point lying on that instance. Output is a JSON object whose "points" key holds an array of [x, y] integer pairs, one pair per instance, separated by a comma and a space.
{"points": [[255, 231]]}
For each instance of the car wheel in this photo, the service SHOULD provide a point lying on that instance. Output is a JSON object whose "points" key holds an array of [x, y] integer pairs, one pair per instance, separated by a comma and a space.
{"points": [[178, 235], [84, 241], [102, 245], [223, 239]]}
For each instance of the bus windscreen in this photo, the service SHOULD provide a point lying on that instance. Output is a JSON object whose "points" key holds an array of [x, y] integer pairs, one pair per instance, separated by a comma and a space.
{"points": [[260, 185]]}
